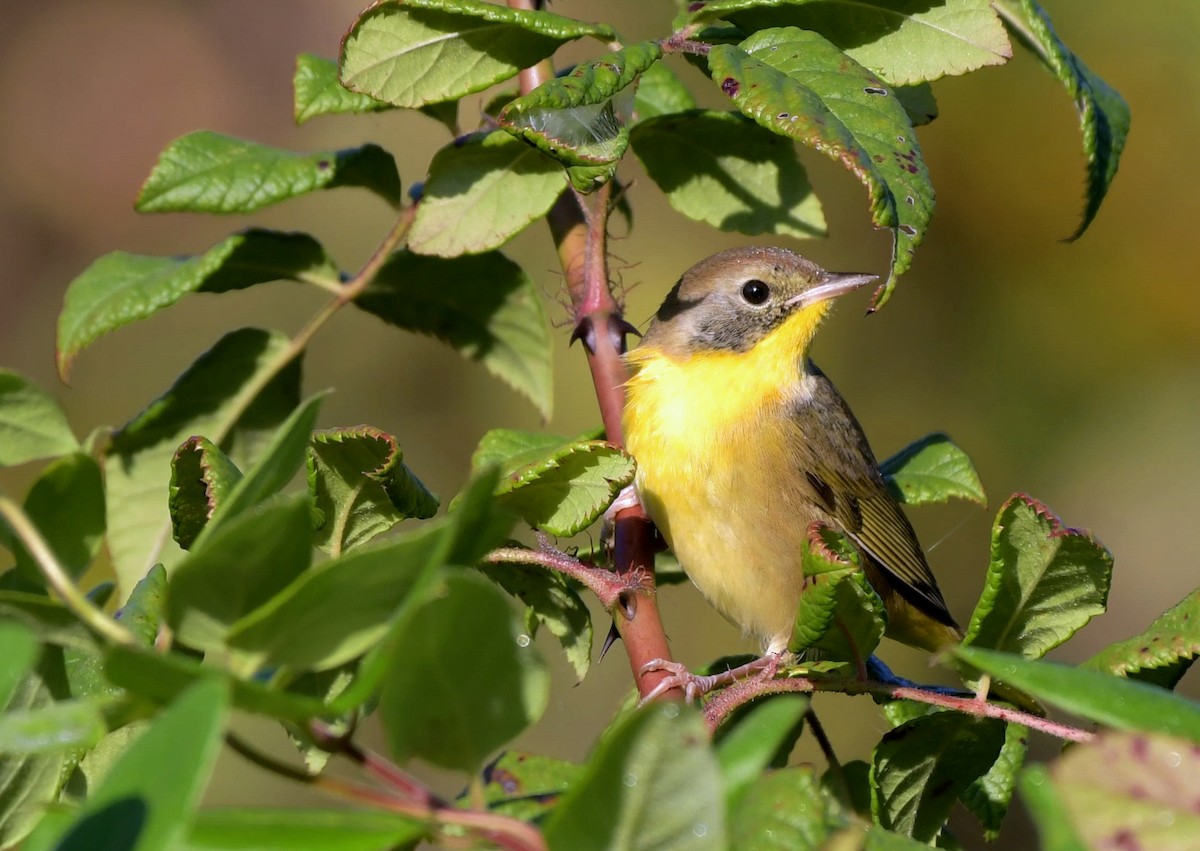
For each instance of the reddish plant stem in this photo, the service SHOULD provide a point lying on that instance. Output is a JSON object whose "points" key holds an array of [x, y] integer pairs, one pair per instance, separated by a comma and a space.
{"points": [[580, 232], [719, 707]]}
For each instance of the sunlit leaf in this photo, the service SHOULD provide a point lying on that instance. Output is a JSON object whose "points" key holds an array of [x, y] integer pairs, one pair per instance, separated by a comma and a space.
{"points": [[1163, 653], [317, 91], [32, 425], [932, 470]]}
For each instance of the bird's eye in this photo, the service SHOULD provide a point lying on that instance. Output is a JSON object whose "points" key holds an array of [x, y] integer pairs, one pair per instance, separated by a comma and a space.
{"points": [[755, 292]]}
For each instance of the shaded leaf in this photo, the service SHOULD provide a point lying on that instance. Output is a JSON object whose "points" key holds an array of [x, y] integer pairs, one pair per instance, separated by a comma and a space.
{"points": [[721, 168], [1045, 803], [1162, 654], [483, 190], [660, 92], [653, 782], [316, 90], [582, 118], [909, 41], [206, 172], [341, 608], [49, 620], [1045, 581], [918, 101], [552, 602], [527, 785], [500, 684], [162, 677], [202, 477], [239, 567], [296, 829], [1130, 790], [747, 746], [920, 768], [215, 397], [989, 796], [32, 425], [121, 288], [839, 613], [483, 305], [361, 486], [797, 84], [1104, 116], [145, 802], [145, 610], [66, 504], [1113, 701], [418, 52], [931, 470], [786, 810]]}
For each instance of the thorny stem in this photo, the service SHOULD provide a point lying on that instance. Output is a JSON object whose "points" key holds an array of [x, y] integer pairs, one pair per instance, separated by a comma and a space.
{"points": [[57, 578], [580, 232], [719, 707], [500, 830]]}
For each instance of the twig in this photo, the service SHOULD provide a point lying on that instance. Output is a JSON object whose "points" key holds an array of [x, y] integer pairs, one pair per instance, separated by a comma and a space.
{"points": [[58, 579], [608, 587], [835, 765], [720, 705]]}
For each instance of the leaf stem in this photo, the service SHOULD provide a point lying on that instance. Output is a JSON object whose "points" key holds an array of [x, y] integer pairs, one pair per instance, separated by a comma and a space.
{"points": [[58, 579]]}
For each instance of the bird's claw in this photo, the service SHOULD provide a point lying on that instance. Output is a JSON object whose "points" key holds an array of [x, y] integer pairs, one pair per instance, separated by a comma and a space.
{"points": [[678, 676]]}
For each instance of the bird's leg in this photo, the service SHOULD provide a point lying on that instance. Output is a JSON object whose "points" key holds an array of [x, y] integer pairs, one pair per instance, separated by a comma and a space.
{"points": [[698, 685], [627, 498]]}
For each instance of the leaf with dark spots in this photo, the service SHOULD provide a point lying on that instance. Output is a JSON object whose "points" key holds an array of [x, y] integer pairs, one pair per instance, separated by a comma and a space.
{"points": [[1163, 653]]}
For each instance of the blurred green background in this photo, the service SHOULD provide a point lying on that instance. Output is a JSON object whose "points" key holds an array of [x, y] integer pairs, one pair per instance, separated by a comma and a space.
{"points": [[1066, 371]]}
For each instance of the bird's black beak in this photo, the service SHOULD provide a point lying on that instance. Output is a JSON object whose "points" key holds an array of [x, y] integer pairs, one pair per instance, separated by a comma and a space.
{"points": [[831, 285]]}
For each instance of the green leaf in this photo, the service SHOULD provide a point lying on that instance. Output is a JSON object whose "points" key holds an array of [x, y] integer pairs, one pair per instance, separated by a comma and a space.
{"points": [[660, 92], [121, 288], [317, 91], [549, 600], [341, 608], [146, 801], [202, 477], [145, 610], [32, 425], [484, 306], [498, 688], [162, 677], [239, 567], [361, 486], [1104, 116], [244, 829], [797, 84], [526, 785], [1113, 701], [988, 796], [1049, 812], [1044, 582], [723, 169], [483, 190], [840, 613], [29, 783], [582, 118], [419, 52], [909, 41], [920, 768], [66, 504], [747, 746], [49, 620], [653, 783], [932, 470], [918, 102], [786, 810], [556, 485], [1131, 791], [63, 725], [216, 397], [278, 462], [1162, 654], [206, 172]]}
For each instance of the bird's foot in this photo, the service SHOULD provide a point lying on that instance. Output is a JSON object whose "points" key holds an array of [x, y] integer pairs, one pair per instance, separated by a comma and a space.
{"points": [[697, 685], [627, 498]]}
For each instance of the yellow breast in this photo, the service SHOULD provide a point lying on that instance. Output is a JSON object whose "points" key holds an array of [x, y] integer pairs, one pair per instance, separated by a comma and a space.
{"points": [[711, 434]]}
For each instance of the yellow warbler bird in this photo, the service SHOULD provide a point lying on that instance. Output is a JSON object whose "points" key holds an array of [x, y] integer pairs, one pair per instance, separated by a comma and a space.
{"points": [[742, 443]]}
